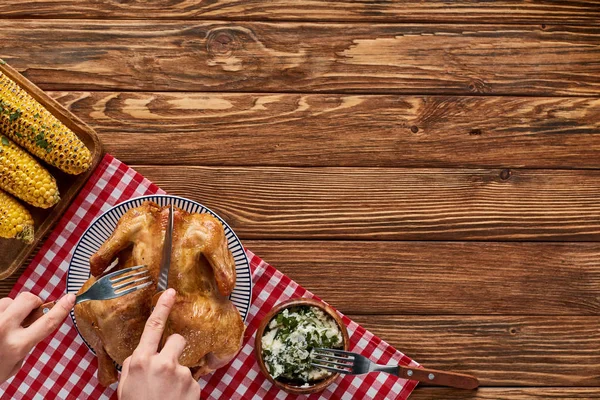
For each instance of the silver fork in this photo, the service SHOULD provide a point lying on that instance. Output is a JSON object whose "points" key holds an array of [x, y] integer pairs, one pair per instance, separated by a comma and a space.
{"points": [[345, 362], [110, 286]]}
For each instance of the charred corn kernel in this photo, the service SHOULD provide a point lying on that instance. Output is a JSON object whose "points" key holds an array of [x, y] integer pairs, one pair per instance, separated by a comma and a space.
{"points": [[20, 173], [15, 221], [27, 122]]}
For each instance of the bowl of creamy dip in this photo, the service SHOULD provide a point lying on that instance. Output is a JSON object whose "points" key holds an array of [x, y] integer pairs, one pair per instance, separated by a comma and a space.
{"points": [[287, 337]]}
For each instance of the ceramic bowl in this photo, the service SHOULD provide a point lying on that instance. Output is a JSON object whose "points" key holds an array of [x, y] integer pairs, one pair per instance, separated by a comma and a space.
{"points": [[288, 387]]}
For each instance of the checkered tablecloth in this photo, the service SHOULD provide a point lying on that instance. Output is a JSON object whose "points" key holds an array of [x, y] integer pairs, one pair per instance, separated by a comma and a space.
{"points": [[62, 367]]}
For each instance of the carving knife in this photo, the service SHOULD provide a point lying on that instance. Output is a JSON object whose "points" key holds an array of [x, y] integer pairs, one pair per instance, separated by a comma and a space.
{"points": [[165, 262]]}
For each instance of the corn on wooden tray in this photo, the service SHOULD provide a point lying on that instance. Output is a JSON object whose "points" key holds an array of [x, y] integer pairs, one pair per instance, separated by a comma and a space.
{"points": [[13, 253]]}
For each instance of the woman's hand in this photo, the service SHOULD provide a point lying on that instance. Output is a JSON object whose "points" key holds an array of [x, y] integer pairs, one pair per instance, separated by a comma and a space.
{"points": [[150, 375], [15, 341]]}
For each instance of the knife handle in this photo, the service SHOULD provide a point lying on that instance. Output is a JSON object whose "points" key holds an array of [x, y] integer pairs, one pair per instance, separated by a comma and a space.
{"points": [[441, 378], [37, 313]]}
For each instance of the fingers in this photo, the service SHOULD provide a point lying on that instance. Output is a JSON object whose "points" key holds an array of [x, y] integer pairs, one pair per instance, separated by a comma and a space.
{"points": [[173, 347], [194, 390], [4, 303], [155, 324], [49, 322], [125, 368], [20, 308], [124, 374]]}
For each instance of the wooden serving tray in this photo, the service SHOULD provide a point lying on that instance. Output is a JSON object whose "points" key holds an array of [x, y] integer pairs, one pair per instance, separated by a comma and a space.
{"points": [[14, 252]]}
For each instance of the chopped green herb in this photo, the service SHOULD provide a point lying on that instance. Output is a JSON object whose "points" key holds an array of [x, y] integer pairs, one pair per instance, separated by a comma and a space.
{"points": [[289, 341], [2, 62], [17, 134], [6, 109], [36, 115], [4, 141], [15, 115], [43, 143]]}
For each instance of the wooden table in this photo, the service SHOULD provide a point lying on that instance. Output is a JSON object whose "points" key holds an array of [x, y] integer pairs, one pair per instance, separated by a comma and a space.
{"points": [[430, 168]]}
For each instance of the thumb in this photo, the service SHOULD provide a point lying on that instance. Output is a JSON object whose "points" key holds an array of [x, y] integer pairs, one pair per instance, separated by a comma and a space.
{"points": [[124, 374], [49, 322]]}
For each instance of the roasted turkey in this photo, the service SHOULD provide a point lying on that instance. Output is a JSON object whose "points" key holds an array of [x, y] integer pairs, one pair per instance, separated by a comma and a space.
{"points": [[202, 272]]}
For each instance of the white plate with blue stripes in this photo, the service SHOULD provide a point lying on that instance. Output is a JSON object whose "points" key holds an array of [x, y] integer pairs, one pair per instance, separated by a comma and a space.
{"points": [[101, 229]]}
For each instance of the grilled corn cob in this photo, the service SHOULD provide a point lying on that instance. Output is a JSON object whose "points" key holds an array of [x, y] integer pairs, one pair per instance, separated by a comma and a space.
{"points": [[34, 128], [23, 177], [15, 221]]}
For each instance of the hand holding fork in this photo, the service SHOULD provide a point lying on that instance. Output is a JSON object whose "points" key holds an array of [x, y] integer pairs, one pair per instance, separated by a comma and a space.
{"points": [[110, 286], [24, 323]]}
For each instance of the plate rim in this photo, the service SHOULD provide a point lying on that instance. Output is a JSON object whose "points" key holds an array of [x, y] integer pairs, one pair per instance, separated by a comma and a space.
{"points": [[149, 196]]}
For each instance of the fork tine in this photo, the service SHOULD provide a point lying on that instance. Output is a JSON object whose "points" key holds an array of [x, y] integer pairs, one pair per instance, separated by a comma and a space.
{"points": [[318, 354], [133, 289], [346, 365], [337, 370], [144, 278], [123, 271], [337, 352], [120, 279]]}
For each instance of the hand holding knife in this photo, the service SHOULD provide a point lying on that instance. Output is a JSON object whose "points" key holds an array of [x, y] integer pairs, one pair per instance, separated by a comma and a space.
{"points": [[165, 262]]}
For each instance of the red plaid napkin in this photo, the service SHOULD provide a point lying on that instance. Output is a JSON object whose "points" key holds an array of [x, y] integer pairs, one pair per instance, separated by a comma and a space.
{"points": [[62, 366]]}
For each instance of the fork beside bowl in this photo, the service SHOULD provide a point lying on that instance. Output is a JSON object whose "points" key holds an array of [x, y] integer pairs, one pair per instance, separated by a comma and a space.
{"points": [[341, 361], [345, 362]]}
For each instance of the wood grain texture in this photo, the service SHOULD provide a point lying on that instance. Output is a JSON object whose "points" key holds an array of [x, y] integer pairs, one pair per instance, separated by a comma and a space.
{"points": [[7, 284], [455, 277], [458, 277], [506, 393], [479, 11], [500, 351], [343, 130], [299, 57], [363, 124], [393, 204]]}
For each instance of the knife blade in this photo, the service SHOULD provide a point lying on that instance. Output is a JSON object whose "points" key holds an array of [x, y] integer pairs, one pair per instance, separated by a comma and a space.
{"points": [[165, 262]]}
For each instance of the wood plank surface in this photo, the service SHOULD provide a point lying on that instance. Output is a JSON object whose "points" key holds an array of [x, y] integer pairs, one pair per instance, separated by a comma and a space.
{"points": [[455, 277], [506, 393], [479, 11], [459, 277], [430, 168], [342, 130], [298, 57], [499, 350], [393, 204]]}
